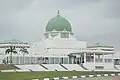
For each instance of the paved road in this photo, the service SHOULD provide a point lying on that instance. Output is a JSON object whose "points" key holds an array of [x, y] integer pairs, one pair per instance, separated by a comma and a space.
{"points": [[100, 78]]}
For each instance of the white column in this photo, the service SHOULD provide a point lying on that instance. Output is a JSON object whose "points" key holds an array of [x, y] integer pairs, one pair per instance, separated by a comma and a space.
{"points": [[112, 59], [49, 60], [54, 60], [68, 60], [103, 58], [75, 60], [18, 59], [98, 57], [72, 60], [84, 57], [81, 58], [63, 59], [59, 60], [94, 57]]}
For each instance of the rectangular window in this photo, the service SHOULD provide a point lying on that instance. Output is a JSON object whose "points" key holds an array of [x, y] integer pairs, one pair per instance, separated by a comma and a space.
{"points": [[51, 60], [64, 35], [46, 36], [61, 60], [65, 60], [108, 60], [99, 67], [56, 60]]}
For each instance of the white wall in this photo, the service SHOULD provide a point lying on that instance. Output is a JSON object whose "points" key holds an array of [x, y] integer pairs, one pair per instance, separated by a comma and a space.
{"points": [[91, 66], [108, 66], [58, 45], [1, 58], [64, 44]]}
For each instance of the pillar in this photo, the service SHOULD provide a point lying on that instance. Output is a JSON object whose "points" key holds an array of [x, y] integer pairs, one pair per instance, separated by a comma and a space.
{"points": [[81, 59], [68, 60], [103, 58], [54, 60], [49, 58], [72, 59], [63, 60], [84, 57], [98, 58], [112, 59], [18, 59], [94, 57], [59, 60], [75, 60]]}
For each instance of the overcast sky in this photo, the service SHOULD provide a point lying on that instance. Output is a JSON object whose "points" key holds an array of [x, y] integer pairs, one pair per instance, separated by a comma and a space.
{"points": [[91, 20]]}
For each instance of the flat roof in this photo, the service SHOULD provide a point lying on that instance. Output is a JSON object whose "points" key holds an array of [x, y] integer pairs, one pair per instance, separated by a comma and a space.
{"points": [[94, 51]]}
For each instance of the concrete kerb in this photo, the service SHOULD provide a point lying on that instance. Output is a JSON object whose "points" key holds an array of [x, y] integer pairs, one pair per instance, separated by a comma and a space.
{"points": [[91, 75], [74, 77], [105, 74], [64, 77], [119, 74], [99, 75], [112, 74], [83, 76], [56, 78]]}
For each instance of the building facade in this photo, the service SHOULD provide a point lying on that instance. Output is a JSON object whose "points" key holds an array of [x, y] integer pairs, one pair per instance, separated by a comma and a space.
{"points": [[59, 46]]}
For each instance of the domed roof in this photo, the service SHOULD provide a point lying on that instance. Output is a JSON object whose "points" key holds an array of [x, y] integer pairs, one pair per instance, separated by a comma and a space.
{"points": [[58, 23]]}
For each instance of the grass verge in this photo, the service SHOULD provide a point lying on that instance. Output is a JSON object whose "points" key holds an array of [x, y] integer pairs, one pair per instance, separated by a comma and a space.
{"points": [[41, 75]]}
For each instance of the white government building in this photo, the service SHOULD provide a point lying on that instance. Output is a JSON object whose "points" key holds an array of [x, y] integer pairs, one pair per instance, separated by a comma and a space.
{"points": [[60, 50]]}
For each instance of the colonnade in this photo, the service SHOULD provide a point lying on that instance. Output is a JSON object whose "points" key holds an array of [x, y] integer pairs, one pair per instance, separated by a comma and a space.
{"points": [[73, 59]]}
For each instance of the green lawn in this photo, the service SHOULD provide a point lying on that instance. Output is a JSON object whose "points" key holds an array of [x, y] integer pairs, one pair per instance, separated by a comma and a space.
{"points": [[41, 75]]}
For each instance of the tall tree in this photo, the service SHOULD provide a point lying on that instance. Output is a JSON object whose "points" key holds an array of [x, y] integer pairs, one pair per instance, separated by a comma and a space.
{"points": [[10, 51], [24, 51]]}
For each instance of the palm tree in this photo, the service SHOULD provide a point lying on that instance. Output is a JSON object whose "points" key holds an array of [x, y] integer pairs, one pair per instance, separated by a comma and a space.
{"points": [[10, 51], [24, 51]]}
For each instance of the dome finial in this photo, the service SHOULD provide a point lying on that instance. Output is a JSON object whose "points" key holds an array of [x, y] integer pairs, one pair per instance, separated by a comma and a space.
{"points": [[58, 13]]}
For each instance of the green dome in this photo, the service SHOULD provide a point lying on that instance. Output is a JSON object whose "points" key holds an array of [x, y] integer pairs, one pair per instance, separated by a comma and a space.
{"points": [[58, 23]]}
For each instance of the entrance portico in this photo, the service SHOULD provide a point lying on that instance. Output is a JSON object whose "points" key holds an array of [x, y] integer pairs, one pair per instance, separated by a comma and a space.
{"points": [[97, 59]]}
